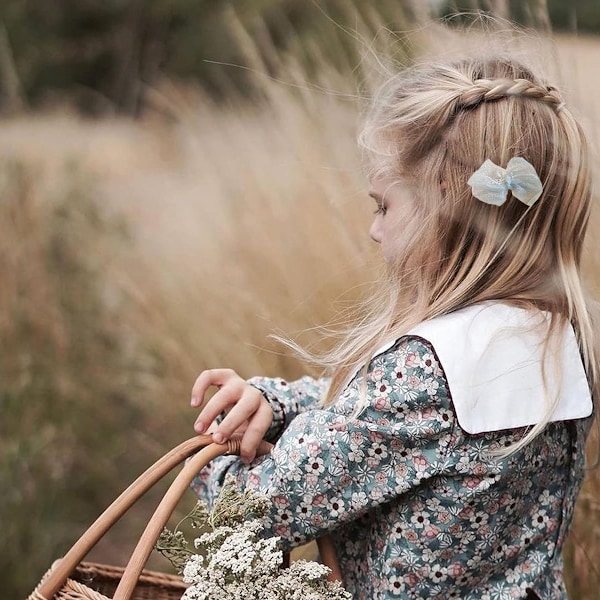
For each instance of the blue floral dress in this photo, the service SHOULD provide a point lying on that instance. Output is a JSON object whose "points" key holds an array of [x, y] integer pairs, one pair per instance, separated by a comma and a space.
{"points": [[416, 506]]}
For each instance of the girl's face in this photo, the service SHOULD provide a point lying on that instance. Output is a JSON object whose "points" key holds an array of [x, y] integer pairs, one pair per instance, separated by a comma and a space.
{"points": [[395, 210]]}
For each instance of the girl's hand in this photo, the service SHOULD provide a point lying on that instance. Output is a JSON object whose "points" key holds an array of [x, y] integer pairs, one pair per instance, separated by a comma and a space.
{"points": [[247, 410]]}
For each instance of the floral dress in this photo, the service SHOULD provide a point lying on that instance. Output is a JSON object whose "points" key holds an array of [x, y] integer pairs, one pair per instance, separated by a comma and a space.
{"points": [[416, 506]]}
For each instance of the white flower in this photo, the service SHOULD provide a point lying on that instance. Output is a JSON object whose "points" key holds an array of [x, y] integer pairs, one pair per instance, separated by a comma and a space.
{"points": [[311, 571], [420, 519], [541, 519], [358, 499], [438, 573], [193, 569], [240, 565], [315, 465], [270, 554], [335, 507], [378, 451], [431, 386], [427, 363]]}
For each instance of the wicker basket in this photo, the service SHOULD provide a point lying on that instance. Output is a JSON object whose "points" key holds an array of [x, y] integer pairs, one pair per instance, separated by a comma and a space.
{"points": [[71, 579], [94, 581]]}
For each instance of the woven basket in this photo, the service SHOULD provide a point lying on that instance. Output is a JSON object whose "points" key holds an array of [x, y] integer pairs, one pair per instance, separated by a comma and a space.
{"points": [[71, 579], [94, 581]]}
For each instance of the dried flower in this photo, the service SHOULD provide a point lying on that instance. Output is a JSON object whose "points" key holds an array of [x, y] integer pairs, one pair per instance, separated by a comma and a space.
{"points": [[237, 563], [233, 506], [173, 546]]}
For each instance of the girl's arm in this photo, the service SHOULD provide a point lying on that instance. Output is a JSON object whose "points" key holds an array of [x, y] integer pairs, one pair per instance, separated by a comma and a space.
{"points": [[260, 408], [289, 399], [327, 468]]}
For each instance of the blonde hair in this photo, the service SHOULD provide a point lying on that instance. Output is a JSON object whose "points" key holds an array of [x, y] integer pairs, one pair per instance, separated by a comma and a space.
{"points": [[435, 126]]}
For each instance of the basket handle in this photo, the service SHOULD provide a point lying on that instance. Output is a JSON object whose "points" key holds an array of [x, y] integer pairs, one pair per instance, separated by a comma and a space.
{"points": [[166, 507], [161, 516], [119, 507], [208, 450]]}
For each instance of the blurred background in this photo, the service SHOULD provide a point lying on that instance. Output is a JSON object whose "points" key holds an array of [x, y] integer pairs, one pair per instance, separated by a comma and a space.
{"points": [[178, 180]]}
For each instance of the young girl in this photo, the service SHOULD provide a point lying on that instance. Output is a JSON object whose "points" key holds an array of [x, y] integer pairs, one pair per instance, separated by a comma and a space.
{"points": [[445, 453]]}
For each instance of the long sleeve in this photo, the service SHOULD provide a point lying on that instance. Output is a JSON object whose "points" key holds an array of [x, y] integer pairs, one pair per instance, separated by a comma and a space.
{"points": [[289, 399], [328, 468]]}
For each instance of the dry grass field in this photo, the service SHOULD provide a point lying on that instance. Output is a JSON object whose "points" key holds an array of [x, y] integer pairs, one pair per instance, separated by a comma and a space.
{"points": [[136, 254]]}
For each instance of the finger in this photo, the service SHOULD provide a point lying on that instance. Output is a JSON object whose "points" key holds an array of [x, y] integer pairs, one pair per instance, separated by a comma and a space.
{"points": [[243, 411], [226, 397], [211, 428], [207, 379], [255, 432]]}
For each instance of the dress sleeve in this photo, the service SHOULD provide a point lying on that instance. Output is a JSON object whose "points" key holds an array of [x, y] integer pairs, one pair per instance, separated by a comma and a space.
{"points": [[329, 467], [289, 399]]}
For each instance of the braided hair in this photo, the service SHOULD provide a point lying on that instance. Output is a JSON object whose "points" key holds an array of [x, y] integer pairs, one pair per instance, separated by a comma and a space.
{"points": [[487, 90], [429, 129]]}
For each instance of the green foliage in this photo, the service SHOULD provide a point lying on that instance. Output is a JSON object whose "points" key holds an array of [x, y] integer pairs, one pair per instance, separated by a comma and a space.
{"points": [[102, 55], [576, 15]]}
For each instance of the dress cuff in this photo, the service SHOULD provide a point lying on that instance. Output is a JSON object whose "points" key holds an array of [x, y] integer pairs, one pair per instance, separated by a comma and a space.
{"points": [[279, 416]]}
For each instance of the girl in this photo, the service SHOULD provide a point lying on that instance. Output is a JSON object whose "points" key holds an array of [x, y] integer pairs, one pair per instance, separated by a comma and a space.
{"points": [[445, 453]]}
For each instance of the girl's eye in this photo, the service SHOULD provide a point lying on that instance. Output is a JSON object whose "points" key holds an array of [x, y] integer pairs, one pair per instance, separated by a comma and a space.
{"points": [[381, 210]]}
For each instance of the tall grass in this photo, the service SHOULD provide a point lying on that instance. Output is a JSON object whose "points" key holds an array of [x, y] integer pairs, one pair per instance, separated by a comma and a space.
{"points": [[68, 374], [134, 255]]}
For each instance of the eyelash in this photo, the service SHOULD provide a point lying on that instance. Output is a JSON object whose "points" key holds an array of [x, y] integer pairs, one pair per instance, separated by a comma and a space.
{"points": [[381, 210]]}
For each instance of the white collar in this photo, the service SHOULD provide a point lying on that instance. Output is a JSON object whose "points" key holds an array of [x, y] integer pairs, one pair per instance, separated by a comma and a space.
{"points": [[491, 354]]}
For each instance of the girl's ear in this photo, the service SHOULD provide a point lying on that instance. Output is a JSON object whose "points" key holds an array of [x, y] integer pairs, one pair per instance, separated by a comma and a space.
{"points": [[443, 186]]}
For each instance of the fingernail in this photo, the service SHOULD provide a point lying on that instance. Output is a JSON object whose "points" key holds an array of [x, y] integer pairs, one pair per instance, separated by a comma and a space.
{"points": [[218, 438], [193, 401], [247, 459], [199, 426]]}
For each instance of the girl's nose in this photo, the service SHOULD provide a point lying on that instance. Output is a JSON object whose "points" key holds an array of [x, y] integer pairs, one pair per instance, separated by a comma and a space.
{"points": [[375, 232]]}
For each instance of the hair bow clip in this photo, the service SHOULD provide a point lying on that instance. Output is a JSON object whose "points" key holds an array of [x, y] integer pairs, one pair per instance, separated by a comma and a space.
{"points": [[491, 183]]}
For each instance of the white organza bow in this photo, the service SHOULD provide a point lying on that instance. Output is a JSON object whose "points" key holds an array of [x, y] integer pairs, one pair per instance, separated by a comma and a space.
{"points": [[491, 183]]}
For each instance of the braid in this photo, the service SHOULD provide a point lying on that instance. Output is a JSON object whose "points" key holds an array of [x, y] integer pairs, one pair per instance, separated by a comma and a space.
{"points": [[486, 90]]}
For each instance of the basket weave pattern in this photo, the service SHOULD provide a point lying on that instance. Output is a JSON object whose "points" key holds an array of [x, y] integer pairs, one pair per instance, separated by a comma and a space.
{"points": [[94, 581]]}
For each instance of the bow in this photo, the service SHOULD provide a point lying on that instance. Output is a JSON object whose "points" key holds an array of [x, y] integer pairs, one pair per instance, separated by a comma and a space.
{"points": [[491, 183]]}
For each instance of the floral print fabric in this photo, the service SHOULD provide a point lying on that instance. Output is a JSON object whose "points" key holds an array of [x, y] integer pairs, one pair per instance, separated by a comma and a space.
{"points": [[417, 508]]}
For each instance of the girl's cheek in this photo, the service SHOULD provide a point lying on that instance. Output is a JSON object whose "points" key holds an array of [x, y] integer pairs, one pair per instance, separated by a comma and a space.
{"points": [[393, 248]]}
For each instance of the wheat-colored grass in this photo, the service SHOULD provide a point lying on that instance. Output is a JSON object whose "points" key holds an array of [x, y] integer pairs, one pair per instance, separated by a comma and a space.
{"points": [[243, 220]]}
